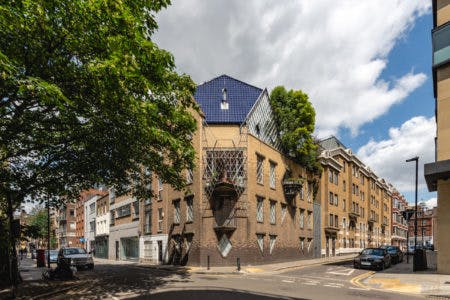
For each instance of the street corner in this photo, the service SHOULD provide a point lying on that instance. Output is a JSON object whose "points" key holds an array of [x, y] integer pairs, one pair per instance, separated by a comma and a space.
{"points": [[358, 280], [392, 284]]}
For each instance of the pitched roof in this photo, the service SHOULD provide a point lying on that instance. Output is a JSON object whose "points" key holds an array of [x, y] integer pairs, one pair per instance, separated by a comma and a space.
{"points": [[331, 143], [240, 97]]}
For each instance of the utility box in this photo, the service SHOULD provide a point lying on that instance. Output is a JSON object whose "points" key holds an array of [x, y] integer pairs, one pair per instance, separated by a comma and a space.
{"points": [[420, 260]]}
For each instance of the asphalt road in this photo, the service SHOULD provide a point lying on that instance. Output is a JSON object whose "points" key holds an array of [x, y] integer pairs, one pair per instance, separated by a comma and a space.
{"points": [[111, 281]]}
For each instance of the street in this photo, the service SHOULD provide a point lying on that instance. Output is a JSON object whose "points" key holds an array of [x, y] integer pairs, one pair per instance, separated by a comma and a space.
{"points": [[132, 281]]}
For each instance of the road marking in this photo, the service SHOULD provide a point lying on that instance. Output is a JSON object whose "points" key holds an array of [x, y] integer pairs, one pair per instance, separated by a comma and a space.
{"points": [[356, 280], [309, 283], [357, 288], [344, 272], [333, 286], [288, 281]]}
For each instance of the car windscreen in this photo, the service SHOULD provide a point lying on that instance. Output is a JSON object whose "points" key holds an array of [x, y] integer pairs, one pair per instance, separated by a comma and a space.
{"points": [[377, 252], [71, 251]]}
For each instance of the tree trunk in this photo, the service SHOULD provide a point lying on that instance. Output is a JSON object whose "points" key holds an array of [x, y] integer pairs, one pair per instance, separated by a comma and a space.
{"points": [[13, 269]]}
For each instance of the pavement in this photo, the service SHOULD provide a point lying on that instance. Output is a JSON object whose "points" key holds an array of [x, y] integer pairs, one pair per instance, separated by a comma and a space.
{"points": [[399, 278]]}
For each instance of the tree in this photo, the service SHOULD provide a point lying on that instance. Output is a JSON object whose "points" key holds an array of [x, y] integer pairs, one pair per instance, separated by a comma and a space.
{"points": [[295, 118], [87, 98]]}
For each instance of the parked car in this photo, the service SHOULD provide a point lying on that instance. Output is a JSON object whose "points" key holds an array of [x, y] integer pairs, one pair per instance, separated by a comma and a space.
{"points": [[395, 252], [373, 258], [79, 258], [53, 256]]}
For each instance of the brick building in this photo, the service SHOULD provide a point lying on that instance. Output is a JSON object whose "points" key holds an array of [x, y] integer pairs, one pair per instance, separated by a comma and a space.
{"points": [[67, 225], [399, 224], [356, 203], [425, 226], [246, 199]]}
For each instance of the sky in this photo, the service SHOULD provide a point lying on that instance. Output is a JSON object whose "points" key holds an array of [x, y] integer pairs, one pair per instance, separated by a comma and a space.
{"points": [[366, 66]]}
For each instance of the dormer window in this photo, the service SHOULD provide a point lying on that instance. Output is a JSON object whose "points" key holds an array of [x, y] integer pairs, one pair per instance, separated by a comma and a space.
{"points": [[224, 102]]}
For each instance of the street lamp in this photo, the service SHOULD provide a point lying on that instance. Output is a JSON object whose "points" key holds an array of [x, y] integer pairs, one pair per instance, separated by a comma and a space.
{"points": [[416, 159]]}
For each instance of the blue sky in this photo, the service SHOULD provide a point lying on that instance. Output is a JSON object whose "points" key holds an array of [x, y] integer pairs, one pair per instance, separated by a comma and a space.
{"points": [[366, 66]]}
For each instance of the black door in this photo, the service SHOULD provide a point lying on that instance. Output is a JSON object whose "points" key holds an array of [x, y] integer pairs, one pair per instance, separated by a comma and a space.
{"points": [[117, 250]]}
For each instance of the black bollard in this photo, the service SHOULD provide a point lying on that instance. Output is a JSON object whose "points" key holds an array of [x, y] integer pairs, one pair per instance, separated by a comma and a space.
{"points": [[207, 262]]}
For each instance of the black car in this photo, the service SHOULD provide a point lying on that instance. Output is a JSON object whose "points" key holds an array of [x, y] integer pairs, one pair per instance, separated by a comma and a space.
{"points": [[395, 252], [373, 258]]}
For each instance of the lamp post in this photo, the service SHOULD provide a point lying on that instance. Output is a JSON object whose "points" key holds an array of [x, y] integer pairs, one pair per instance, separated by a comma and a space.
{"points": [[416, 159]]}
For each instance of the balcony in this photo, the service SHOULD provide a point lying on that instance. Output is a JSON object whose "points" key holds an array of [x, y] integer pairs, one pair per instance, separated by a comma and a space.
{"points": [[228, 224], [353, 214], [62, 218], [372, 220], [292, 186], [331, 228]]}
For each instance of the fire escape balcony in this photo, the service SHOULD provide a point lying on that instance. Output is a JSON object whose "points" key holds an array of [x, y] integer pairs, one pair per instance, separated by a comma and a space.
{"points": [[229, 224], [292, 186]]}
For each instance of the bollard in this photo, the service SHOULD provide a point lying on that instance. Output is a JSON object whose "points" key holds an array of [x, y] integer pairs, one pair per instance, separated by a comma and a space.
{"points": [[238, 264], [207, 262]]}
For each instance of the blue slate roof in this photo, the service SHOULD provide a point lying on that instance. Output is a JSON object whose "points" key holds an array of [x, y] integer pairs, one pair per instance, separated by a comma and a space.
{"points": [[240, 97]]}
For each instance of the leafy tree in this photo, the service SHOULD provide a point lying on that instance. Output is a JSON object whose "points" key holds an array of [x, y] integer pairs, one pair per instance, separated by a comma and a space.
{"points": [[87, 97], [295, 118]]}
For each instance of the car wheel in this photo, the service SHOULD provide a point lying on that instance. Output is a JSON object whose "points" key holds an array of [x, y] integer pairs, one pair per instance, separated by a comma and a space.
{"points": [[355, 266], [91, 266]]}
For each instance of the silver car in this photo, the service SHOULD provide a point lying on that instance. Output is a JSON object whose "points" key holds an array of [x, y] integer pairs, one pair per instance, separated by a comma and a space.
{"points": [[79, 258]]}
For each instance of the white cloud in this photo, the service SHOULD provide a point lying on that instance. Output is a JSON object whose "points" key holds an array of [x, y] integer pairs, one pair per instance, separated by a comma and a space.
{"points": [[387, 158], [333, 50], [432, 202]]}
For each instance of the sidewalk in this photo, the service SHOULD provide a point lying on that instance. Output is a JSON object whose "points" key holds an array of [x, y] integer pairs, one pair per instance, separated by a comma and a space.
{"points": [[401, 278]]}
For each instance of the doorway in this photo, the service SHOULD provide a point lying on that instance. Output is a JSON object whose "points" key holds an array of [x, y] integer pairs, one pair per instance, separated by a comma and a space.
{"points": [[160, 252], [117, 250]]}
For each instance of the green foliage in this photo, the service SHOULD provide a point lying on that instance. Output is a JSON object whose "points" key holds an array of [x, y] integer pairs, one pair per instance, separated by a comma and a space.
{"points": [[37, 227], [87, 97], [295, 118]]}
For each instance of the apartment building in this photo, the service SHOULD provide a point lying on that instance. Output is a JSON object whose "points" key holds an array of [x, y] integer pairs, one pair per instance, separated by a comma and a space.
{"points": [[399, 224], [102, 219], [356, 203], [438, 172], [246, 200], [80, 215], [124, 229], [425, 226], [90, 214], [67, 225]]}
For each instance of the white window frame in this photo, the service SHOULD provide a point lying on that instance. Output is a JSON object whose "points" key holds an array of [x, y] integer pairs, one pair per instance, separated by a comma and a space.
{"points": [[273, 212], [259, 169], [224, 245], [259, 209], [160, 219], [283, 211], [272, 175], [190, 209], [272, 240], [177, 211], [260, 241]]}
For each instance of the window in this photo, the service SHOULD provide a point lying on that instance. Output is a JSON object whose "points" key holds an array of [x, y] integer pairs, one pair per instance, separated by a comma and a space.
{"points": [[160, 189], [72, 212], [336, 221], [224, 245], [331, 201], [272, 212], [272, 175], [260, 241], [344, 164], [330, 220], [344, 205], [189, 176], [283, 211], [336, 178], [72, 226], [302, 218], [92, 226], [113, 217], [344, 185], [176, 212], [344, 223], [272, 240], [302, 244], [309, 220], [136, 209], [259, 209], [190, 209], [336, 200], [330, 176], [310, 192], [259, 169], [123, 211], [148, 222], [160, 219], [91, 209]]}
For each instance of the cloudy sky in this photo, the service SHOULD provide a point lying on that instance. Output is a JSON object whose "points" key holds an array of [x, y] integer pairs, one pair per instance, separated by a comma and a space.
{"points": [[366, 66]]}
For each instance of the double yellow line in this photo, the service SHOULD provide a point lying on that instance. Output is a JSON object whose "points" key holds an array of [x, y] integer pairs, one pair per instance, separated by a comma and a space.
{"points": [[356, 280]]}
